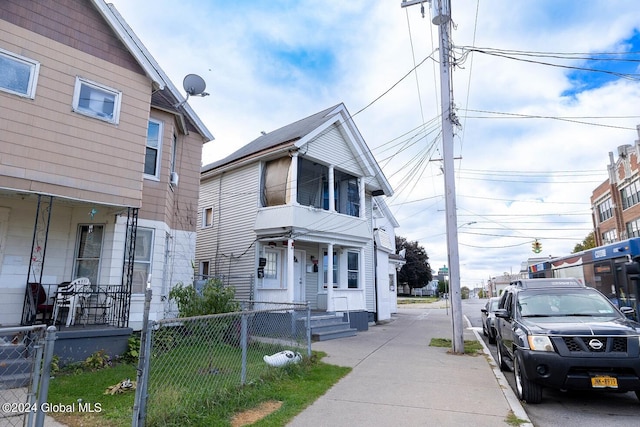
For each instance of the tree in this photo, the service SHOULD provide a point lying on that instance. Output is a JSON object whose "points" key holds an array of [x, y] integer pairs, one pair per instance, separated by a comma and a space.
{"points": [[417, 271], [589, 242]]}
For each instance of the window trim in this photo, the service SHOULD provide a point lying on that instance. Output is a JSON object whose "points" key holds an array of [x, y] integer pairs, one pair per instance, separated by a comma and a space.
{"points": [[277, 282], [148, 261], [34, 67], [205, 224], [156, 176], [117, 100]]}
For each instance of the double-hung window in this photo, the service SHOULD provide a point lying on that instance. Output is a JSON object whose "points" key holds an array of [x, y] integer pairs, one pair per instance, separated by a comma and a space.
{"points": [[96, 100], [143, 258], [18, 75], [154, 149]]}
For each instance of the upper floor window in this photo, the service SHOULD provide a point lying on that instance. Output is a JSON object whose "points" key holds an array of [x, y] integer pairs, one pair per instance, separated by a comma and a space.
{"points": [[154, 147], [630, 194], [605, 210], [18, 75], [207, 217], [96, 100], [347, 194]]}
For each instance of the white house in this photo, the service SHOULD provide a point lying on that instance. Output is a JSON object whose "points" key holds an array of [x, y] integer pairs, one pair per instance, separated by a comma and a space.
{"points": [[289, 217]]}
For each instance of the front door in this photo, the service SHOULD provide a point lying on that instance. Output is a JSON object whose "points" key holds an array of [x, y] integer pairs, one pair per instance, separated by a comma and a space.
{"points": [[298, 276]]}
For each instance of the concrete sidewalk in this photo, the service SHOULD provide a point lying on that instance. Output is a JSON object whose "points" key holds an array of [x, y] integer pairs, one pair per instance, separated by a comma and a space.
{"points": [[399, 380]]}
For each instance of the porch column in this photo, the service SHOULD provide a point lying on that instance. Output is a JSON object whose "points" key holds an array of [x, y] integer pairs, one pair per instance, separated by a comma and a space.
{"points": [[361, 189], [330, 303], [290, 276], [332, 196], [293, 180]]}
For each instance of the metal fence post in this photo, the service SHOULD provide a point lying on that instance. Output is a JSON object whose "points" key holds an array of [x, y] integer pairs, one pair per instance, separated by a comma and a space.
{"points": [[45, 373], [140, 400], [35, 380], [243, 343], [308, 330]]}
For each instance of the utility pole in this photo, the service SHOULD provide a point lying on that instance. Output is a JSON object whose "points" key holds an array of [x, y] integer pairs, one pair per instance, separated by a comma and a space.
{"points": [[442, 18]]}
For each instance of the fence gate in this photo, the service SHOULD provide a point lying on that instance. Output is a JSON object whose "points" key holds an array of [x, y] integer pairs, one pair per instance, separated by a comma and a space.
{"points": [[22, 386]]}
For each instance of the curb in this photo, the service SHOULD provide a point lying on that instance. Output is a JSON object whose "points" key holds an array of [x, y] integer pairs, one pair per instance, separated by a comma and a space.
{"points": [[509, 395]]}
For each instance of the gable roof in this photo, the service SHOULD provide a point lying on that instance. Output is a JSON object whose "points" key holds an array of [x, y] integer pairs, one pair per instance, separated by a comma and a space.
{"points": [[170, 95], [296, 134]]}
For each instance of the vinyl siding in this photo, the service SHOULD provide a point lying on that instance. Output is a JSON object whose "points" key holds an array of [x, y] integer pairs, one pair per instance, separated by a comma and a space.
{"points": [[229, 244], [331, 147], [48, 148]]}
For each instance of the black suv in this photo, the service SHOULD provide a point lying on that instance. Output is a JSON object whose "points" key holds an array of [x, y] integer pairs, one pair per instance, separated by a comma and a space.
{"points": [[561, 334]]}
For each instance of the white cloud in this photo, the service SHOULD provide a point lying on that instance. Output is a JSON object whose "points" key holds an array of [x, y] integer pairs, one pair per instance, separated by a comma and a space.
{"points": [[259, 61]]}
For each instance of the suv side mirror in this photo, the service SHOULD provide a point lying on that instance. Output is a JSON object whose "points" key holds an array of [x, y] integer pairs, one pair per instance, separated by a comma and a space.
{"points": [[502, 313], [628, 311]]}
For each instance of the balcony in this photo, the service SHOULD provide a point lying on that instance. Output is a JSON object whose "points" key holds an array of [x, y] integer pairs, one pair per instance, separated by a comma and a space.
{"points": [[312, 223]]}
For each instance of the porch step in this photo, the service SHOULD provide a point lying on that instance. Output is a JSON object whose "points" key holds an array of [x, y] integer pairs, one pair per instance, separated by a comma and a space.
{"points": [[15, 368], [329, 327]]}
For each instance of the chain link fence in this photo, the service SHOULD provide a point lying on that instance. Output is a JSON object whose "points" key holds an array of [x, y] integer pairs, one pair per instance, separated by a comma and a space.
{"points": [[23, 385], [193, 362]]}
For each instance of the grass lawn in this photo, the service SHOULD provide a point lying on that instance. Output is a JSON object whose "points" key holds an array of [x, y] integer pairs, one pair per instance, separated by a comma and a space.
{"points": [[294, 387]]}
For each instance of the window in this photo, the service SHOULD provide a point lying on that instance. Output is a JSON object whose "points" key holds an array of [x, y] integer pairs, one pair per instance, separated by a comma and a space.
{"points": [[610, 236], [207, 217], [174, 155], [353, 269], [275, 182], [605, 210], [204, 270], [347, 194], [630, 195], [154, 146], [142, 262], [633, 228], [18, 75], [325, 266], [95, 100], [89, 248], [272, 278], [271, 266]]}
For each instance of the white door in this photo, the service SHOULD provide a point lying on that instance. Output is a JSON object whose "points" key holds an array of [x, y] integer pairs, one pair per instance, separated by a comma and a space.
{"points": [[298, 276]]}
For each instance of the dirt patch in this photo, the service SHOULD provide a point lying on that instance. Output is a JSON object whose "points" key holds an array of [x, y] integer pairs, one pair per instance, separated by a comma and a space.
{"points": [[250, 416]]}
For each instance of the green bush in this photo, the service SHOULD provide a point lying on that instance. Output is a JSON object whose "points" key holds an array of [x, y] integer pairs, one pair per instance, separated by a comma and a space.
{"points": [[213, 299]]}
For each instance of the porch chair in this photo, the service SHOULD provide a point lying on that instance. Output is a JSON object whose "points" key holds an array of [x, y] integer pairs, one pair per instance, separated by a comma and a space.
{"points": [[42, 305], [68, 296]]}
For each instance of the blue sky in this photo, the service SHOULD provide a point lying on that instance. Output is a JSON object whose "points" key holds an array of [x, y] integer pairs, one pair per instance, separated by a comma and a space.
{"points": [[534, 139]]}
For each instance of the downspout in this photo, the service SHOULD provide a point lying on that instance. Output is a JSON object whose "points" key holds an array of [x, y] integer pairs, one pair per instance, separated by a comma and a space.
{"points": [[375, 279]]}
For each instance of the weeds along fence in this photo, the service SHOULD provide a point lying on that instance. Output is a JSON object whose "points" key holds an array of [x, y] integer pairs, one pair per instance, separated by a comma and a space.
{"points": [[194, 362]]}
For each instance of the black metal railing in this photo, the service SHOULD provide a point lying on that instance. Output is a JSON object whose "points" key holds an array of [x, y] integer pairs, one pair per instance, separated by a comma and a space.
{"points": [[90, 305]]}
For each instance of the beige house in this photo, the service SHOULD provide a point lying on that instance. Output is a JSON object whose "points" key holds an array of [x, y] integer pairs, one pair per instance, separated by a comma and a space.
{"points": [[289, 217], [99, 167]]}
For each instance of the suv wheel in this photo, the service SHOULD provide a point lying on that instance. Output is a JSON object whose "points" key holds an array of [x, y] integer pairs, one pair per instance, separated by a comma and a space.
{"points": [[527, 390], [501, 362], [492, 336]]}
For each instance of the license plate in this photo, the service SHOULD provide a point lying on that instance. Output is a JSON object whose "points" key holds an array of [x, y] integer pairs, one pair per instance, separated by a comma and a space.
{"points": [[604, 381]]}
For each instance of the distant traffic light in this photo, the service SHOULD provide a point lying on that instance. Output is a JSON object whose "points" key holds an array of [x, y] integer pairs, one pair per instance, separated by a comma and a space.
{"points": [[536, 246]]}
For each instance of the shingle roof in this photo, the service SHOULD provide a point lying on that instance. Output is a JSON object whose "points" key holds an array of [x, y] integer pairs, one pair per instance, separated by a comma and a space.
{"points": [[286, 135]]}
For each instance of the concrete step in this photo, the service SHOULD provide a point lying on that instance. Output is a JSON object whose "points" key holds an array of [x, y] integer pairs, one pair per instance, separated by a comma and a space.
{"points": [[330, 326]]}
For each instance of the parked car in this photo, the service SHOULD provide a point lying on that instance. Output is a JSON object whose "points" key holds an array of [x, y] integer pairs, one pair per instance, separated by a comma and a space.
{"points": [[560, 334], [488, 319]]}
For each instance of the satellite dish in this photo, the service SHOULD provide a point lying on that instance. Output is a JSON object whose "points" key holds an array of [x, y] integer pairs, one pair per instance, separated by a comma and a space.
{"points": [[193, 84]]}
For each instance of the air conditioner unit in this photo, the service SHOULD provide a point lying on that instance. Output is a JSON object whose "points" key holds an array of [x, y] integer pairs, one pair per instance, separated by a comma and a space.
{"points": [[173, 178]]}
